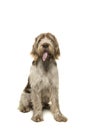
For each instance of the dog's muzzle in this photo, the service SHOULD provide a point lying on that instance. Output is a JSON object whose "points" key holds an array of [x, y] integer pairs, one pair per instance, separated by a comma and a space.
{"points": [[45, 46], [45, 54]]}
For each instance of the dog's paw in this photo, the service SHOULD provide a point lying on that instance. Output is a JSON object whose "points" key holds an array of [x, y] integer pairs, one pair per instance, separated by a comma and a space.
{"points": [[37, 118], [23, 109], [60, 118]]}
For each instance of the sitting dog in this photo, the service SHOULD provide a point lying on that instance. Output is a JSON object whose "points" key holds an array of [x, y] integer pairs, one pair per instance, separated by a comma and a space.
{"points": [[41, 90]]}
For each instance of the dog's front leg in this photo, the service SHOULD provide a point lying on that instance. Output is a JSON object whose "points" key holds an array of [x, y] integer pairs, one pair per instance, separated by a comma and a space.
{"points": [[37, 106], [58, 116]]}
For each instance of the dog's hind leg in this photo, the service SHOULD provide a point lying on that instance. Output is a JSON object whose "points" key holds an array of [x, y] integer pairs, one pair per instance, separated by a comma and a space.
{"points": [[25, 101]]}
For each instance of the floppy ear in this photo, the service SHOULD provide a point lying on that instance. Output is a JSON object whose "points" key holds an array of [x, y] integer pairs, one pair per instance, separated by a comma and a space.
{"points": [[34, 51], [57, 52], [56, 45]]}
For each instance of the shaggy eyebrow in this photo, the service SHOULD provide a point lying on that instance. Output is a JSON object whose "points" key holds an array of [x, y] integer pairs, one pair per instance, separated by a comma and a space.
{"points": [[41, 37], [50, 37]]}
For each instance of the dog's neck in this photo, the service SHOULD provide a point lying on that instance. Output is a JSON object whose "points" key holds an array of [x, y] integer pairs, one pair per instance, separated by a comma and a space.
{"points": [[46, 64]]}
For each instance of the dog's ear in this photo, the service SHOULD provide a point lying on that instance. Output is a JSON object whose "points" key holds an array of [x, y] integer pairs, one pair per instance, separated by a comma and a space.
{"points": [[57, 52], [57, 49], [34, 50], [56, 45]]}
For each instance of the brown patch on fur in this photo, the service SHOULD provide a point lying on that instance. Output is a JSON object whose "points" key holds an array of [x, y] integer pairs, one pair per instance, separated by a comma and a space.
{"points": [[27, 89]]}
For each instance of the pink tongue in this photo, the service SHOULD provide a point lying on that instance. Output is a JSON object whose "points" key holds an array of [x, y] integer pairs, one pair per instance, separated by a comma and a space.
{"points": [[44, 57]]}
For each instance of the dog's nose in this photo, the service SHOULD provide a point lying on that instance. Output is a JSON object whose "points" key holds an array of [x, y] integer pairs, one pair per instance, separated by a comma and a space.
{"points": [[45, 45]]}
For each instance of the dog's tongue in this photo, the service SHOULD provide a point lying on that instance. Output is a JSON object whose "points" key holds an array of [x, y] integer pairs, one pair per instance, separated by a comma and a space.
{"points": [[45, 55]]}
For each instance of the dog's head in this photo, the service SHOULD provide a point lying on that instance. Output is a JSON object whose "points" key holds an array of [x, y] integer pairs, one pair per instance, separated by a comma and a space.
{"points": [[45, 47]]}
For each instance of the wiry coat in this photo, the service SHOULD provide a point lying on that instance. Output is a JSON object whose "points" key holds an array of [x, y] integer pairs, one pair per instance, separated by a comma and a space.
{"points": [[43, 83]]}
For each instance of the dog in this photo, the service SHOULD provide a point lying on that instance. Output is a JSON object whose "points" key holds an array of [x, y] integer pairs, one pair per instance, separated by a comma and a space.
{"points": [[41, 90]]}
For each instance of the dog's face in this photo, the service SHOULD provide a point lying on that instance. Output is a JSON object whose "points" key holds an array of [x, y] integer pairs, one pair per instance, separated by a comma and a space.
{"points": [[45, 47]]}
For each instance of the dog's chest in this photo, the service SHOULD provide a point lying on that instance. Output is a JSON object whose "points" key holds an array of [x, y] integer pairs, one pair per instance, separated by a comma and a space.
{"points": [[40, 78]]}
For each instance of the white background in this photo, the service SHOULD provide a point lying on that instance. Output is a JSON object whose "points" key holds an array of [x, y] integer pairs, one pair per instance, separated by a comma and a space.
{"points": [[20, 22]]}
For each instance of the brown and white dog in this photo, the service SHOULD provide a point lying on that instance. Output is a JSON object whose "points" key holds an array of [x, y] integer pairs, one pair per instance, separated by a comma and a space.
{"points": [[41, 90]]}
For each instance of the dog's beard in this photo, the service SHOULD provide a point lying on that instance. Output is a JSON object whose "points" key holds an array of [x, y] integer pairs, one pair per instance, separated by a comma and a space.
{"points": [[46, 59]]}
